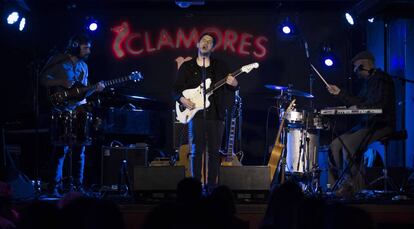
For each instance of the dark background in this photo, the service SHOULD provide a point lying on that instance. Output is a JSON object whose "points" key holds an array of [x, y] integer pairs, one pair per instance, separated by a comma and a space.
{"points": [[51, 23]]}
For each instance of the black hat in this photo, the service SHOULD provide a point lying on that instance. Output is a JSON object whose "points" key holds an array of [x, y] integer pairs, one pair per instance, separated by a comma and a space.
{"points": [[364, 55]]}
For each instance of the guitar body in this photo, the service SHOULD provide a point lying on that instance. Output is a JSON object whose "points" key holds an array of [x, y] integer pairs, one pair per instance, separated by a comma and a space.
{"points": [[277, 150], [185, 115], [61, 96], [184, 160], [232, 160], [275, 158]]}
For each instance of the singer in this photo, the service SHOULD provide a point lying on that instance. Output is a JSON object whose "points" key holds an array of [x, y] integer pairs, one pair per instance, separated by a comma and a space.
{"points": [[206, 127]]}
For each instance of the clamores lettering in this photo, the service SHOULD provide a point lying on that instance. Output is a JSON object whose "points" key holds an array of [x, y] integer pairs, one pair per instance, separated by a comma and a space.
{"points": [[128, 43]]}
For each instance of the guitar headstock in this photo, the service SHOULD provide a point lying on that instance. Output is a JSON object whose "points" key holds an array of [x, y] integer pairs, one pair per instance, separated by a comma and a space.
{"points": [[135, 76], [249, 67], [291, 106]]}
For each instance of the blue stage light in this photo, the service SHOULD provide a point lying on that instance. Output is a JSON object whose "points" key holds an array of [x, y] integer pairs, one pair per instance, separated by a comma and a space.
{"points": [[349, 18], [329, 62], [93, 26], [22, 24], [286, 29], [12, 18]]}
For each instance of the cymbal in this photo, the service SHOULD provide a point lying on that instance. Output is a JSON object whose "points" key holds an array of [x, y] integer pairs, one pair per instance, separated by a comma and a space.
{"points": [[138, 97], [289, 91]]}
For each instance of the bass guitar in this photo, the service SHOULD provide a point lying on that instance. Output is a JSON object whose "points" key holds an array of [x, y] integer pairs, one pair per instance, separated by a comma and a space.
{"points": [[184, 115], [278, 147], [61, 96]]}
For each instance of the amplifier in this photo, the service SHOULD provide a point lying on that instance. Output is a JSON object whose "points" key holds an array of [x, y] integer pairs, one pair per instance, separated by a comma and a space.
{"points": [[157, 178], [251, 178], [113, 157]]}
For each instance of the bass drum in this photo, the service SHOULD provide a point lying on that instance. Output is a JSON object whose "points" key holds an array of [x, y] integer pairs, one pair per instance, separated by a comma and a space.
{"points": [[302, 147], [71, 128]]}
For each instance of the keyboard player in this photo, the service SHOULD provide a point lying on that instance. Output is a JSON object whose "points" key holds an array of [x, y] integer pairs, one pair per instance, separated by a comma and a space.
{"points": [[378, 92]]}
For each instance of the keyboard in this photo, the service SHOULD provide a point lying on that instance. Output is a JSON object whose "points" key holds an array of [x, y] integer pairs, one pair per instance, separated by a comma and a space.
{"points": [[350, 111]]}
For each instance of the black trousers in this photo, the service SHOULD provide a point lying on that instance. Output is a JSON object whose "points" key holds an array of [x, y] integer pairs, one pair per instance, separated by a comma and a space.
{"points": [[214, 133], [339, 157]]}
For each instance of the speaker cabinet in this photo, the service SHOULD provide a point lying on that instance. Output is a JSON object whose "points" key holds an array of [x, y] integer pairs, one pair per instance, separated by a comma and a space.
{"points": [[112, 159], [157, 177], [251, 178]]}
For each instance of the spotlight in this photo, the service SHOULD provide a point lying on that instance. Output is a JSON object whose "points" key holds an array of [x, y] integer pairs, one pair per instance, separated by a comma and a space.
{"points": [[328, 62], [349, 18], [371, 20], [93, 26], [328, 58], [22, 24], [12, 18], [287, 27]]}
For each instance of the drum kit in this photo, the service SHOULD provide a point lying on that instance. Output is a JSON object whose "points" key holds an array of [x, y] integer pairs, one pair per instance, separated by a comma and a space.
{"points": [[301, 139], [71, 128]]}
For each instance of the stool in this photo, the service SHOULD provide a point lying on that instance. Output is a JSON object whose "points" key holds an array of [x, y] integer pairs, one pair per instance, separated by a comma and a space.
{"points": [[395, 136]]}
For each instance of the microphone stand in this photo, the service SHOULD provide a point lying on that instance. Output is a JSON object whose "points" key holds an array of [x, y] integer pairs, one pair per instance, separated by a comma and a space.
{"points": [[205, 153], [311, 76]]}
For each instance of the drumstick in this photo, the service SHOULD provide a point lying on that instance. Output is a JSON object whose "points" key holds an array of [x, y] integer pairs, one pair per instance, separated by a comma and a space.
{"points": [[319, 74]]}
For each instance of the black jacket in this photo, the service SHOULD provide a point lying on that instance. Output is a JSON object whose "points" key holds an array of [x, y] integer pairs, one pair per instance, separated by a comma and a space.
{"points": [[378, 91]]}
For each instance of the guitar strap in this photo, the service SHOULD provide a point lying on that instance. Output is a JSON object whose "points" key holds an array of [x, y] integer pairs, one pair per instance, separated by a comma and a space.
{"points": [[49, 65]]}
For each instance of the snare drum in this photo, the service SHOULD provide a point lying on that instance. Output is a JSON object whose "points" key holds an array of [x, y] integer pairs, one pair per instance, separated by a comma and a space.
{"points": [[71, 128], [301, 154], [295, 117]]}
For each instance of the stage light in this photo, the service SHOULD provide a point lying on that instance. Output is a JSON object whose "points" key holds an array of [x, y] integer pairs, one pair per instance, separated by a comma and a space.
{"points": [[286, 29], [328, 62], [22, 24], [12, 18], [93, 26], [188, 3], [371, 20], [327, 56], [349, 18]]}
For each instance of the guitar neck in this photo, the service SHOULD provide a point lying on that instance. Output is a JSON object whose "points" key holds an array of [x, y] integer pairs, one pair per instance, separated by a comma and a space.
{"points": [[223, 81], [110, 82], [230, 144]]}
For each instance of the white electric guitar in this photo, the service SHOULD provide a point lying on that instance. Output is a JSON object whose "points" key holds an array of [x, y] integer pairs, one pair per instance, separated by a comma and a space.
{"points": [[195, 95]]}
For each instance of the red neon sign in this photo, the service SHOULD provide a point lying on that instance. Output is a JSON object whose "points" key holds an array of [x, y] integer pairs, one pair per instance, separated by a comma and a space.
{"points": [[131, 43]]}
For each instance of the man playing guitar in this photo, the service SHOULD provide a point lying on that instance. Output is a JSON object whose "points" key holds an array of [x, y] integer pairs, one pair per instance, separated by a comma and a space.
{"points": [[190, 76], [61, 72]]}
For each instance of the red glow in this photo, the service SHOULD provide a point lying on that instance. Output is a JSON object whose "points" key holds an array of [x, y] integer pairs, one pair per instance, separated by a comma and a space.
{"points": [[245, 44], [230, 38], [187, 42], [135, 44]]}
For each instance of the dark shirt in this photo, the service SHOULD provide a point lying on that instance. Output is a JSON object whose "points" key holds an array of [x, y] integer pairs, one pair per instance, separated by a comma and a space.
{"points": [[190, 76], [378, 92]]}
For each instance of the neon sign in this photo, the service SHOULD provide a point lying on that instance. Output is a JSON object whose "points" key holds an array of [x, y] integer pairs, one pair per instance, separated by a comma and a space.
{"points": [[128, 43]]}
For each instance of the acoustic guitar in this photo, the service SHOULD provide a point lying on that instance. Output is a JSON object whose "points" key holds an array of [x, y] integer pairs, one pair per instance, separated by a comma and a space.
{"points": [[277, 150]]}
